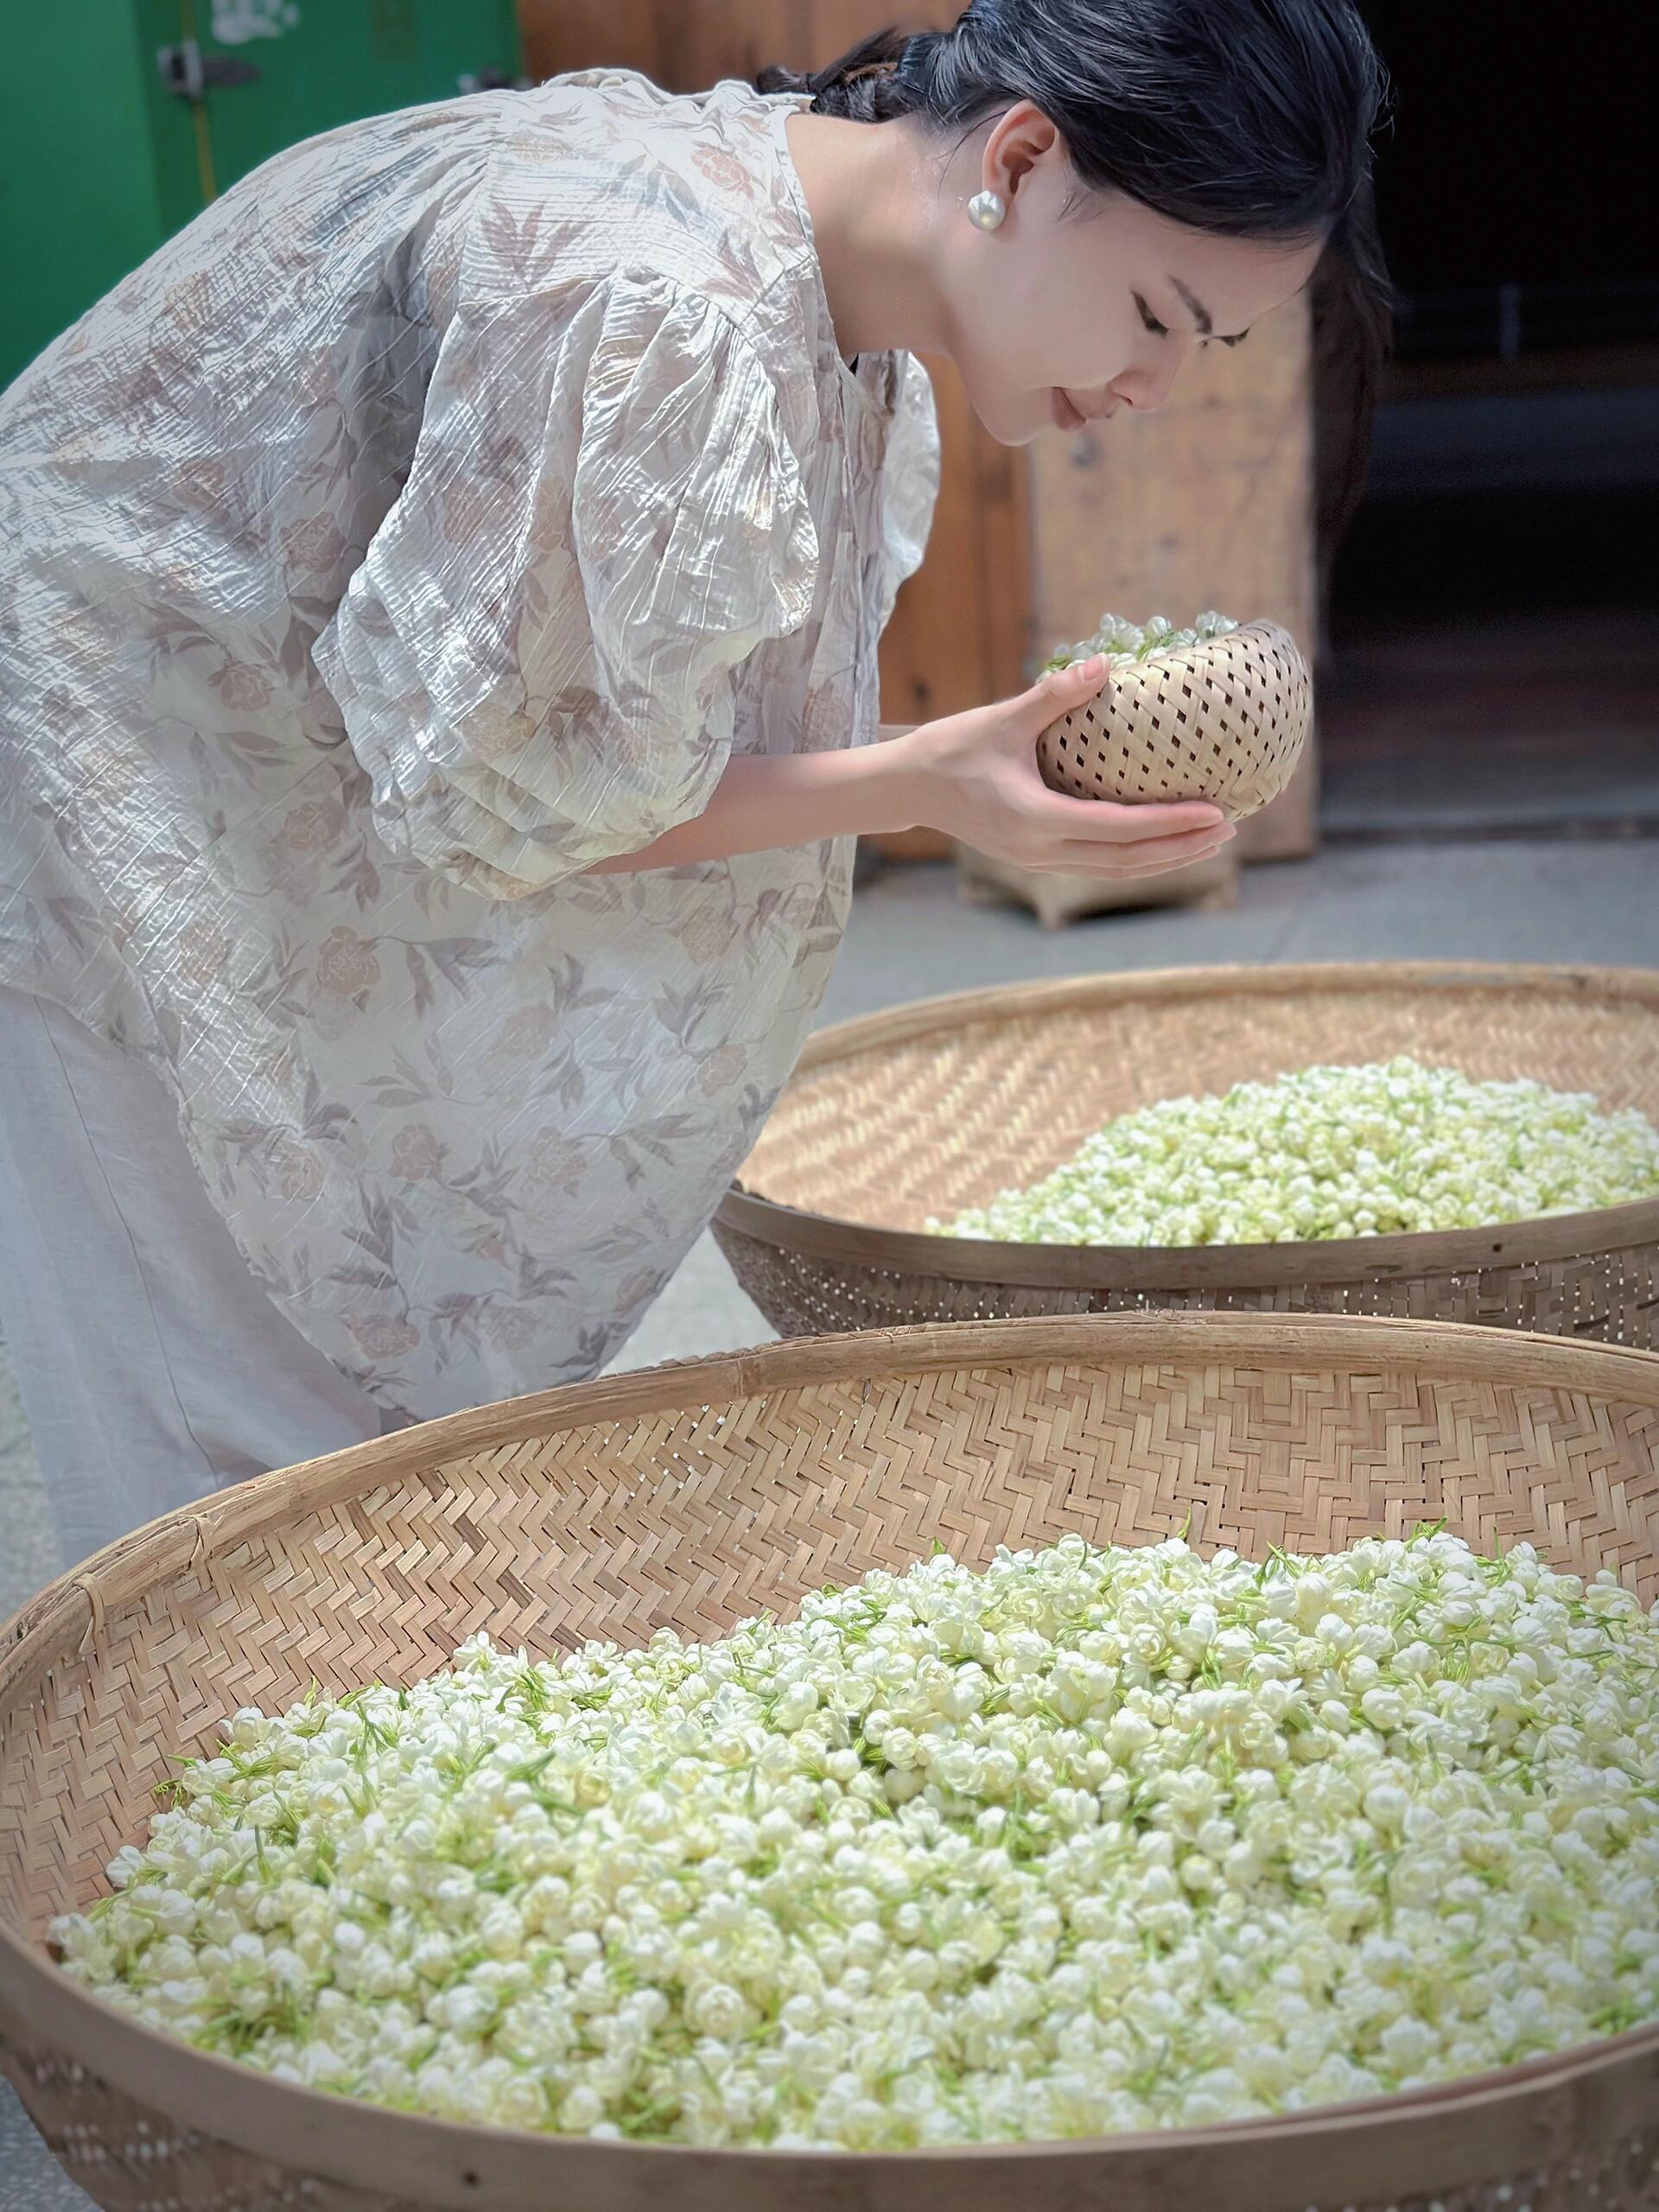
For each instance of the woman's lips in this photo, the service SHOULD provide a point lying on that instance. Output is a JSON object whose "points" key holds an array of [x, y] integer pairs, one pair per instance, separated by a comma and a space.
{"points": [[1068, 415]]}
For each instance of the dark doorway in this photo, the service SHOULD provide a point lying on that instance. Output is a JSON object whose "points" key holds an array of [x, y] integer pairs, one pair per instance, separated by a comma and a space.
{"points": [[1494, 643]]}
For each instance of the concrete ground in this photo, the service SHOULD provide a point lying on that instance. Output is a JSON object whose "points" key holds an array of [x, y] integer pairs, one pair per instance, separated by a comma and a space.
{"points": [[910, 938]]}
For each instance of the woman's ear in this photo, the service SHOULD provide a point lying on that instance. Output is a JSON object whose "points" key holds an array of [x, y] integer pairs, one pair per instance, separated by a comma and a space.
{"points": [[1021, 141]]}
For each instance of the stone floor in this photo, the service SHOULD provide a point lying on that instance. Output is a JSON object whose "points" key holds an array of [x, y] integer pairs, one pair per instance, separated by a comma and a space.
{"points": [[910, 938]]}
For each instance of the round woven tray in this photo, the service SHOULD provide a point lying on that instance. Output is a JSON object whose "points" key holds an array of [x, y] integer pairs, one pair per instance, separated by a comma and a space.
{"points": [[936, 1107], [1224, 721], [696, 1497]]}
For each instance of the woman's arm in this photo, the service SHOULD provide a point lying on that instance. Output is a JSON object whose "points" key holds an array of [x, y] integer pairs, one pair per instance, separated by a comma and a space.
{"points": [[973, 776], [760, 804]]}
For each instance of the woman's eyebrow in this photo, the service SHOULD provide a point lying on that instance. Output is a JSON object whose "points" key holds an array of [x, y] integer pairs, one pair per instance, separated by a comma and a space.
{"points": [[1194, 306], [1200, 314]]}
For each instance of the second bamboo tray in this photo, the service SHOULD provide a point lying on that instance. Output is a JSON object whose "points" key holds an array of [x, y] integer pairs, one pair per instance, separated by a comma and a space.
{"points": [[936, 1106]]}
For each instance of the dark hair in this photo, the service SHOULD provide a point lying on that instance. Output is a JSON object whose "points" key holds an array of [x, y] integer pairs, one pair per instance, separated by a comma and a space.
{"points": [[1246, 118]]}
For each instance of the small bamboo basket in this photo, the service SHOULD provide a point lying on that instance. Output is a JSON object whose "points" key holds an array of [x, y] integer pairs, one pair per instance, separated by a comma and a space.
{"points": [[933, 1107], [696, 1497], [1225, 720]]}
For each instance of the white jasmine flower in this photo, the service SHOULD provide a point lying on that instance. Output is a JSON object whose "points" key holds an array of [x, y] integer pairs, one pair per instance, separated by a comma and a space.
{"points": [[1090, 1840], [1334, 1152]]}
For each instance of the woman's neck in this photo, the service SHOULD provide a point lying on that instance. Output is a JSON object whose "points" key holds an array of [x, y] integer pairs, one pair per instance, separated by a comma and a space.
{"points": [[863, 183]]}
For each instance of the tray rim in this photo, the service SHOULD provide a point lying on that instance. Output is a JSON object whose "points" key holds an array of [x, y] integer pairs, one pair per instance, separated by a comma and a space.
{"points": [[1552, 1238]]}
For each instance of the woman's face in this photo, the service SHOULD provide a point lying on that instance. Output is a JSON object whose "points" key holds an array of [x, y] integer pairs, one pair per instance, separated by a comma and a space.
{"points": [[1082, 304]]}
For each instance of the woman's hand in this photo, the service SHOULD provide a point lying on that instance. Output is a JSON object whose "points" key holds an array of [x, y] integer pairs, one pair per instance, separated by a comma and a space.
{"points": [[975, 777]]}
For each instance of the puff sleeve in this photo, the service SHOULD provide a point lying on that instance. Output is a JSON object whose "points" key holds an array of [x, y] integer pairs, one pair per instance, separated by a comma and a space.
{"points": [[603, 518]]}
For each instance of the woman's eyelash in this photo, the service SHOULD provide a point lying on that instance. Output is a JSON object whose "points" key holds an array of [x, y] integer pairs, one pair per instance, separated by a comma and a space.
{"points": [[1161, 330]]}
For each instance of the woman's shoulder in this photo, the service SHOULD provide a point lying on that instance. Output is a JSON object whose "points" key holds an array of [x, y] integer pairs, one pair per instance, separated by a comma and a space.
{"points": [[605, 172]]}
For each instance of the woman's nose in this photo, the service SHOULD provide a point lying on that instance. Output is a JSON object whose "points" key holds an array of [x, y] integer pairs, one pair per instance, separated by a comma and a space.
{"points": [[1146, 386]]}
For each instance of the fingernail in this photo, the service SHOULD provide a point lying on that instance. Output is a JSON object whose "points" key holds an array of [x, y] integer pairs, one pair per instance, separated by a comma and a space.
{"points": [[1095, 667]]}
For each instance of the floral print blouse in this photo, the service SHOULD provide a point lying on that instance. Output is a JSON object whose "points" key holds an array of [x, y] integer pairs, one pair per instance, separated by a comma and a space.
{"points": [[430, 520]]}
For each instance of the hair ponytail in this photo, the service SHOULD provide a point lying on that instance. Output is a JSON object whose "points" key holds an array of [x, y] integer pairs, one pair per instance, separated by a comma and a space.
{"points": [[1352, 304], [866, 85]]}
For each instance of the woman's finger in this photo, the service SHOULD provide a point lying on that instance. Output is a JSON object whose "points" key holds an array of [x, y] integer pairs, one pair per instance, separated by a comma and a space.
{"points": [[1157, 858], [1059, 692], [1089, 820]]}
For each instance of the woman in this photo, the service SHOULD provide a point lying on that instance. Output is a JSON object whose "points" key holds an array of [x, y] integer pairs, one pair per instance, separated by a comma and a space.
{"points": [[438, 664]]}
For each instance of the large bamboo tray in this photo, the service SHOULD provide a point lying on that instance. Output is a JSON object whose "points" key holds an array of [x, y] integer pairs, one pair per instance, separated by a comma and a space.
{"points": [[694, 1496], [936, 1106]]}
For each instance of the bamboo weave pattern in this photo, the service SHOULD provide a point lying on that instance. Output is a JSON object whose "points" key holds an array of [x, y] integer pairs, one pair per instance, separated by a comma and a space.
{"points": [[695, 1497], [937, 1106], [1225, 720]]}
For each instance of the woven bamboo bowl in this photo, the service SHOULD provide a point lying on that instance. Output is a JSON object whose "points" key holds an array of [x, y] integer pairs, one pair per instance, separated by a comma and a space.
{"points": [[694, 1496], [1224, 721], [936, 1107]]}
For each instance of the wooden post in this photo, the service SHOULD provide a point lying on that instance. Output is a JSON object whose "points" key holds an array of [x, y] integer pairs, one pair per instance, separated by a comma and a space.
{"points": [[560, 35], [1208, 503], [958, 636]]}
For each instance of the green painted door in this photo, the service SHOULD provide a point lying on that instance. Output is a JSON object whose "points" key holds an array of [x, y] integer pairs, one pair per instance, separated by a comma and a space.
{"points": [[104, 154], [311, 64], [80, 201]]}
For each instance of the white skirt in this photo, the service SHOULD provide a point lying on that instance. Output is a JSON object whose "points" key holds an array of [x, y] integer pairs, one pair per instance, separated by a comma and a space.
{"points": [[152, 1366]]}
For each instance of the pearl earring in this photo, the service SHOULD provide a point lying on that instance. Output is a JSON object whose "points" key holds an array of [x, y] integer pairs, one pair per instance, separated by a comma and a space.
{"points": [[987, 211]]}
